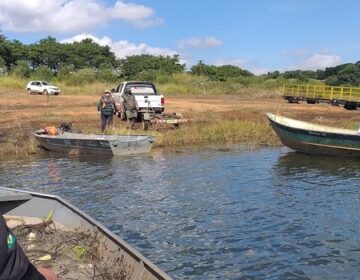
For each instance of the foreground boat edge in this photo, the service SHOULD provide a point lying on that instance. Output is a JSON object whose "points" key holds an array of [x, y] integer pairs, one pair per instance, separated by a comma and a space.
{"points": [[70, 216]]}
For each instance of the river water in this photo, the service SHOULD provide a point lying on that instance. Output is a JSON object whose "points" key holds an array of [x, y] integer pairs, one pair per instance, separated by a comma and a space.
{"points": [[217, 214]]}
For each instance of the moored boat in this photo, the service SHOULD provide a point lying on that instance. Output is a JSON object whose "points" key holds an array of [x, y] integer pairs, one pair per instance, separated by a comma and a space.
{"points": [[95, 144], [315, 138], [112, 258]]}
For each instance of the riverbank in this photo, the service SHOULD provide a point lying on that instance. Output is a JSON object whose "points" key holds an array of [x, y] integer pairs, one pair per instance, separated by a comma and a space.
{"points": [[222, 120]]}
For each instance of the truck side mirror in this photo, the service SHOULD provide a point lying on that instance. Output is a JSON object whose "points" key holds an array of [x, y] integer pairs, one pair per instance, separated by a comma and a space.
{"points": [[112, 90]]}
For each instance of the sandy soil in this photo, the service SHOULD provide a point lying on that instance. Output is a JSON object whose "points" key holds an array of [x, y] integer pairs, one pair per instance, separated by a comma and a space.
{"points": [[17, 108]]}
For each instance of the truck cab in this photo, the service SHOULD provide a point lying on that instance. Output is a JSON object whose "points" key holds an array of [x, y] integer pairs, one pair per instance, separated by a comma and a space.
{"points": [[148, 101]]}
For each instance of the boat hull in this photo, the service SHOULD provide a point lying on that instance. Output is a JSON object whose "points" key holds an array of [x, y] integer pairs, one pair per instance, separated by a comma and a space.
{"points": [[106, 145], [322, 141], [27, 205]]}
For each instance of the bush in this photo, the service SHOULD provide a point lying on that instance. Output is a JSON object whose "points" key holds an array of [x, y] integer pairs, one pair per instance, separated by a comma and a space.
{"points": [[65, 72], [163, 79], [3, 68], [43, 73], [82, 77], [147, 75], [22, 69], [107, 75]]}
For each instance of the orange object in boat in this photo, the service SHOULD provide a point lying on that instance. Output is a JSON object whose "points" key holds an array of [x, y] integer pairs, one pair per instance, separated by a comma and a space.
{"points": [[51, 130]]}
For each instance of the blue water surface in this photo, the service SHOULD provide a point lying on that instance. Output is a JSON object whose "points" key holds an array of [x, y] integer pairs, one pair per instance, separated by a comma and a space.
{"points": [[217, 214]]}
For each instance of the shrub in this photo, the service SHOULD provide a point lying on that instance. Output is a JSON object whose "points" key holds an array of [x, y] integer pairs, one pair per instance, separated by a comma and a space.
{"points": [[22, 69], [43, 73], [81, 77]]}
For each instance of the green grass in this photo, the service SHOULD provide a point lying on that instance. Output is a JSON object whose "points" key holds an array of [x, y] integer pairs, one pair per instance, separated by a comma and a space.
{"points": [[176, 85], [217, 132], [12, 82]]}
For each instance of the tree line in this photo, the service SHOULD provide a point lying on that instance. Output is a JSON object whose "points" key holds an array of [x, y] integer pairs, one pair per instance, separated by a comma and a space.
{"points": [[87, 61]]}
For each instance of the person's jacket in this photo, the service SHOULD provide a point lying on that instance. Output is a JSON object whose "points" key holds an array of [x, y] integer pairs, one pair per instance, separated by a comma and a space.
{"points": [[129, 101], [106, 105], [14, 265]]}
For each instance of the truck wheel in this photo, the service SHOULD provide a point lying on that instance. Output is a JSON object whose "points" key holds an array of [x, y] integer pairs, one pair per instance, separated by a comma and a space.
{"points": [[145, 124], [28, 91], [45, 92]]}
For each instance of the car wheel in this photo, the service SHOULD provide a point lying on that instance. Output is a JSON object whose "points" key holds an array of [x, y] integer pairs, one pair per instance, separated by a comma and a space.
{"points": [[45, 92], [28, 91]]}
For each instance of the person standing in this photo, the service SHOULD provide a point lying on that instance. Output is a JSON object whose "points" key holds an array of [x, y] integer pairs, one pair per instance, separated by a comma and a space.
{"points": [[14, 265], [128, 99], [107, 108]]}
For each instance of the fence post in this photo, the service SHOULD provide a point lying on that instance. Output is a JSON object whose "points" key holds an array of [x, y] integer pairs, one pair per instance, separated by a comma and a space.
{"points": [[313, 91], [341, 93], [307, 90], [331, 93]]}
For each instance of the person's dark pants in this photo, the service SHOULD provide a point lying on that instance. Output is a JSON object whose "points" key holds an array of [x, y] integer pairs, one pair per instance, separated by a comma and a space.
{"points": [[106, 120]]}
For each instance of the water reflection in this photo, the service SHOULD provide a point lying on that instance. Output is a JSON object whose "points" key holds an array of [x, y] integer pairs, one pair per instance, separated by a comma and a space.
{"points": [[322, 168], [293, 163]]}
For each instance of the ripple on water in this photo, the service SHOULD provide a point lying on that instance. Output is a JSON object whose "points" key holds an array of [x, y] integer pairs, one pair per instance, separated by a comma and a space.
{"points": [[237, 214]]}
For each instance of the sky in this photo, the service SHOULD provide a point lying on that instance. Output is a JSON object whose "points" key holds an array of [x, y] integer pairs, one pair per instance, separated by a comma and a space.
{"points": [[256, 35]]}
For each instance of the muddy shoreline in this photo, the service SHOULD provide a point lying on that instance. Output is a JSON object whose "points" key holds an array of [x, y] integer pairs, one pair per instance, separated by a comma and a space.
{"points": [[219, 121]]}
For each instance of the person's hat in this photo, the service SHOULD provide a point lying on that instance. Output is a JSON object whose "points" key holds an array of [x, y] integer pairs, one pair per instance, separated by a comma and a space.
{"points": [[107, 91]]}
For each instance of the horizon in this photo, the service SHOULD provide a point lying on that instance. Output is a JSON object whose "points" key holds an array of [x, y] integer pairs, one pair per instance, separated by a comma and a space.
{"points": [[261, 36]]}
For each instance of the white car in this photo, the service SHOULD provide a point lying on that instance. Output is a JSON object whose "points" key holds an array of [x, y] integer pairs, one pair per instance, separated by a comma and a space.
{"points": [[42, 87]]}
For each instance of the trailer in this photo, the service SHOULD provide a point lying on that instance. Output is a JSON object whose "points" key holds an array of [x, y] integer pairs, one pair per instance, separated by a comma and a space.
{"points": [[348, 97], [174, 119]]}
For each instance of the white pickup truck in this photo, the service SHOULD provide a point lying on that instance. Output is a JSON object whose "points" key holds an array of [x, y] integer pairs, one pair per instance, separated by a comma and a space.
{"points": [[148, 101]]}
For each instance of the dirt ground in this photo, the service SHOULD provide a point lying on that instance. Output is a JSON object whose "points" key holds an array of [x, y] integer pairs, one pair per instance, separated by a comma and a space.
{"points": [[22, 110]]}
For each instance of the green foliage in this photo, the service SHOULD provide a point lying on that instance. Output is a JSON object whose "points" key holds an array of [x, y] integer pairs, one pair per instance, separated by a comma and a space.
{"points": [[65, 72], [188, 84], [88, 54], [82, 77], [132, 66], [348, 75], [107, 74], [42, 73], [219, 73], [84, 62], [3, 68], [149, 75], [12, 51], [12, 82], [301, 76], [22, 69]]}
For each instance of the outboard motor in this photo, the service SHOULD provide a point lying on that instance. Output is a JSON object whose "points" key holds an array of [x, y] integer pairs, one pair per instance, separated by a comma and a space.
{"points": [[66, 127]]}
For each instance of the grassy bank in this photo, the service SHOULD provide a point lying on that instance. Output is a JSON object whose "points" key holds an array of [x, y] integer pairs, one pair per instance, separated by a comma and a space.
{"points": [[212, 128], [176, 85], [218, 131], [19, 143], [235, 116]]}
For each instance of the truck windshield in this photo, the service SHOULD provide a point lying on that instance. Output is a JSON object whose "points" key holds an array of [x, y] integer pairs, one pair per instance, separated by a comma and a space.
{"points": [[142, 89]]}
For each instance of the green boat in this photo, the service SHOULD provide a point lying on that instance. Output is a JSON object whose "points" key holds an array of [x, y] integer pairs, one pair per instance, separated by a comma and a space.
{"points": [[314, 138]]}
